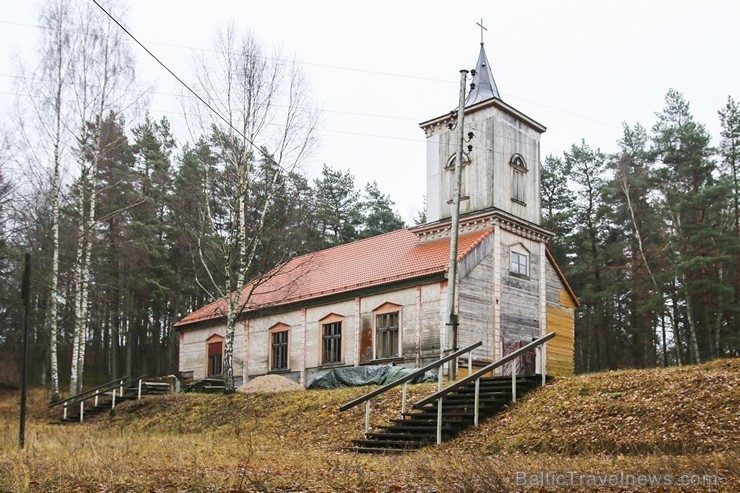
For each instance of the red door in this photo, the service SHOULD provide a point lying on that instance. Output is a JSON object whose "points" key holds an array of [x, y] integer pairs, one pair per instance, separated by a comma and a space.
{"points": [[215, 358]]}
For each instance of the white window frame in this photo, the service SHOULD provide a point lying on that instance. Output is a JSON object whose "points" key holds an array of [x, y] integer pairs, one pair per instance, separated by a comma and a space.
{"points": [[385, 309], [276, 329], [331, 318], [450, 168], [518, 179], [517, 265]]}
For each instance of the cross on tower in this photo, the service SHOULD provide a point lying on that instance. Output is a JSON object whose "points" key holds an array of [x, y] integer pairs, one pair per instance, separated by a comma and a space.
{"points": [[481, 29]]}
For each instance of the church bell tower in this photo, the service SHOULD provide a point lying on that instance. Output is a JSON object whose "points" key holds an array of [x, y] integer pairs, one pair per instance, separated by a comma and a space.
{"points": [[502, 170], [509, 289]]}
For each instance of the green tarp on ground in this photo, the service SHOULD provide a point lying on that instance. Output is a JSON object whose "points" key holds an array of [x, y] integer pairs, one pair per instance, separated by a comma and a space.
{"points": [[367, 375]]}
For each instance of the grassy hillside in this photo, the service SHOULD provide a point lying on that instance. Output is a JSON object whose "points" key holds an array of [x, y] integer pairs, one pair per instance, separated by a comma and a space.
{"points": [[676, 410], [676, 421], [305, 418]]}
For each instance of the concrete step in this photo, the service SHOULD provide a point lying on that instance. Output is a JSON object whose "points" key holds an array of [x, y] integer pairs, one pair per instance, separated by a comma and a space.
{"points": [[447, 430], [411, 436], [389, 444], [380, 451]]}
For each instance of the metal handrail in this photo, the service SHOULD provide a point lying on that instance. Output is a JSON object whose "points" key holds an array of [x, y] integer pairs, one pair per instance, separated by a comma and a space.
{"points": [[88, 392], [408, 377], [492, 366]]}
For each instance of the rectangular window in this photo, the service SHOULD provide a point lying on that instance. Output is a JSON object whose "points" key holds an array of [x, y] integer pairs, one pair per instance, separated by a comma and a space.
{"points": [[387, 335], [518, 264], [280, 350], [332, 343]]}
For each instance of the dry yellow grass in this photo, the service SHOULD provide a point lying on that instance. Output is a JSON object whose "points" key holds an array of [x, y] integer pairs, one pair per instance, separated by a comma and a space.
{"points": [[294, 441]]}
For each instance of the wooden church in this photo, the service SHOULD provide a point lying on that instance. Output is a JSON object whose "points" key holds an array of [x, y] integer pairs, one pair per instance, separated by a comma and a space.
{"points": [[382, 300]]}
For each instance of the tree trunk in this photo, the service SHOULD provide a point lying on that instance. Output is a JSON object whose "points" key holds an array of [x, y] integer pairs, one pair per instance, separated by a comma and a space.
{"points": [[229, 387], [116, 311], [694, 348], [130, 336], [74, 386], [53, 305], [675, 326], [663, 337]]}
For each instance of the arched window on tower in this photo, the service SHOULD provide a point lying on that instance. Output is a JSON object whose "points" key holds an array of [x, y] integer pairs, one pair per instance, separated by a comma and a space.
{"points": [[518, 179], [450, 169]]}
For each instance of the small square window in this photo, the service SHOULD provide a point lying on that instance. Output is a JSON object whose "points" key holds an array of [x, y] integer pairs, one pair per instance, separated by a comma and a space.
{"points": [[519, 264]]}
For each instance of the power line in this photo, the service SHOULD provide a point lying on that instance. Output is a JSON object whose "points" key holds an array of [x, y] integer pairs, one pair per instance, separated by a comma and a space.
{"points": [[350, 69], [211, 108], [564, 111], [193, 48], [327, 130], [174, 95]]}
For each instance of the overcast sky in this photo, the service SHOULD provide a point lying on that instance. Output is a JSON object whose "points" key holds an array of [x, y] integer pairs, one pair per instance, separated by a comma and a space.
{"points": [[378, 68]]}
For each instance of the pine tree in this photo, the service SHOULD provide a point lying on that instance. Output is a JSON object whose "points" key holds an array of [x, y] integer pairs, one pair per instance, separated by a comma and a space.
{"points": [[693, 201], [151, 271], [730, 161], [557, 201], [642, 248], [338, 207], [378, 214], [587, 271], [191, 182]]}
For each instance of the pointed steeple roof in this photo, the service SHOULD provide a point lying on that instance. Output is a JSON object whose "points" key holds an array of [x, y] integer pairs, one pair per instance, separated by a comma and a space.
{"points": [[485, 87]]}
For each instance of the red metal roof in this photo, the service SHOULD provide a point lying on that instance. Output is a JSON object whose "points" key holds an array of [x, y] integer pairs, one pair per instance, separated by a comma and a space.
{"points": [[376, 261]]}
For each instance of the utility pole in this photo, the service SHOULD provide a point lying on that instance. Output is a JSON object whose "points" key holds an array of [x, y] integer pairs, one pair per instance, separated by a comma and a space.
{"points": [[26, 295], [454, 228]]}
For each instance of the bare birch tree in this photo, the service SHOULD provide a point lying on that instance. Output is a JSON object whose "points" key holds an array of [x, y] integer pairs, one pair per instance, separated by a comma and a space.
{"points": [[103, 74], [261, 118], [44, 114]]}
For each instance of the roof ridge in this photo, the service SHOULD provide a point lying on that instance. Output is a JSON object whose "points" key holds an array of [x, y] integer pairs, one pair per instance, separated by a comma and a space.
{"points": [[353, 242], [472, 246]]}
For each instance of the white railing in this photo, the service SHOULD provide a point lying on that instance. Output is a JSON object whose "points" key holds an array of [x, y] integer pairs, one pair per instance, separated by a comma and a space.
{"points": [[539, 345], [113, 389], [404, 381]]}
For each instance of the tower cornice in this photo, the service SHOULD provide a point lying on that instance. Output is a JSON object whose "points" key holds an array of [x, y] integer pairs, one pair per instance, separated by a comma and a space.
{"points": [[479, 220], [444, 119]]}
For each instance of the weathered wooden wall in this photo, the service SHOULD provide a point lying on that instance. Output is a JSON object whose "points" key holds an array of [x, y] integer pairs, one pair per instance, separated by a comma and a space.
{"points": [[422, 315], [475, 300], [431, 321], [520, 307], [487, 179], [560, 319], [419, 338]]}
